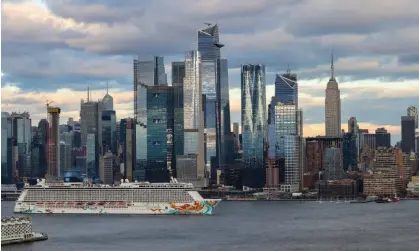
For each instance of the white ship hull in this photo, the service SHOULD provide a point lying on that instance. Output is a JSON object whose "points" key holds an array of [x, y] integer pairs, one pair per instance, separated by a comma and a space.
{"points": [[203, 207]]}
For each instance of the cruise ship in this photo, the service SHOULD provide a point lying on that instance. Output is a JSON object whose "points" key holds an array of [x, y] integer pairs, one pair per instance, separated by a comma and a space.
{"points": [[125, 198]]}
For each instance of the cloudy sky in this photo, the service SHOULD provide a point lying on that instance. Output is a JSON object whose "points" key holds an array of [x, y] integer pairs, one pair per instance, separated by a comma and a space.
{"points": [[54, 49]]}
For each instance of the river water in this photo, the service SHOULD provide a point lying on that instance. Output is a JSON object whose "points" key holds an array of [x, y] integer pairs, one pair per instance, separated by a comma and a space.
{"points": [[253, 225]]}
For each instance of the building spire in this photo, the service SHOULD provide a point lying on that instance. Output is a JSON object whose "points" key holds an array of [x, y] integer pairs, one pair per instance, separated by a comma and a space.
{"points": [[332, 69], [107, 87], [88, 93]]}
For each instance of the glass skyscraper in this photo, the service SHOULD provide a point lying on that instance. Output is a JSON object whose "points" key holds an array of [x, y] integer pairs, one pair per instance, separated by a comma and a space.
{"points": [[286, 130], [215, 91], [178, 75], [332, 164], [6, 148], [193, 110], [207, 38], [147, 72], [91, 156], [160, 133], [22, 143], [109, 131], [349, 151], [408, 134], [253, 114], [91, 123], [225, 146], [286, 88], [288, 144]]}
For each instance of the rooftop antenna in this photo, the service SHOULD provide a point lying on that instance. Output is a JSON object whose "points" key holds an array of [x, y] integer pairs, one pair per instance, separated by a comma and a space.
{"points": [[332, 68], [288, 69], [88, 93], [107, 87]]}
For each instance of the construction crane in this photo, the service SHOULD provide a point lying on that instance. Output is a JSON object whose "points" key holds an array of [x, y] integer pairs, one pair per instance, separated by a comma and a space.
{"points": [[49, 102]]}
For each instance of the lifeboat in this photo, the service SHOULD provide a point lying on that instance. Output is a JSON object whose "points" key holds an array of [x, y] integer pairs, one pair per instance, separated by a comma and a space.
{"points": [[101, 203], [90, 203], [79, 203]]}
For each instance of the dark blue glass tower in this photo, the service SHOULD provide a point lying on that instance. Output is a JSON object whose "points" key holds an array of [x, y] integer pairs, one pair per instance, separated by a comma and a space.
{"points": [[286, 88], [349, 151], [160, 119]]}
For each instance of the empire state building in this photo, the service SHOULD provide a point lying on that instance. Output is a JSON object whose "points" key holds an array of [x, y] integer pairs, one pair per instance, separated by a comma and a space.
{"points": [[332, 106]]}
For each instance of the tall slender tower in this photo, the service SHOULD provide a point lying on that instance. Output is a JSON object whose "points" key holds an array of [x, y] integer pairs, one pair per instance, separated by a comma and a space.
{"points": [[332, 106], [209, 53], [53, 141], [253, 114]]}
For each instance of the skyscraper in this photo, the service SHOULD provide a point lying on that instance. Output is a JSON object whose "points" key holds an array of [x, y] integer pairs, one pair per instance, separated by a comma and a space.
{"points": [[43, 129], [332, 164], [91, 157], [53, 141], [286, 88], [130, 149], [288, 144], [148, 71], [66, 147], [107, 101], [91, 123], [193, 111], [408, 134], [210, 53], [353, 125], [349, 151], [178, 76], [236, 136], [106, 168], [332, 106], [178, 73], [253, 114], [382, 138], [160, 119], [215, 91], [6, 148], [109, 131], [225, 141], [22, 143], [412, 111]]}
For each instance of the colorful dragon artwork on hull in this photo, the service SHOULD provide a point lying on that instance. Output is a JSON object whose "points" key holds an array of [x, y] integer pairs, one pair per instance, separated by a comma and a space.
{"points": [[198, 207]]}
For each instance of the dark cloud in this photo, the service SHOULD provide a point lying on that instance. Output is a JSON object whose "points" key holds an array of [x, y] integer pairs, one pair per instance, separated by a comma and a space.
{"points": [[409, 59]]}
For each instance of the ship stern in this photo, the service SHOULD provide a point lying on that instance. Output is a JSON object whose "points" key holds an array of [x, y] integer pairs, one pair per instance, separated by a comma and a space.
{"points": [[210, 204]]}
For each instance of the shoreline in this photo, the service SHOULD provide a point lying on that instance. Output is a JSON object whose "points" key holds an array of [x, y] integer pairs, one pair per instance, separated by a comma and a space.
{"points": [[307, 200]]}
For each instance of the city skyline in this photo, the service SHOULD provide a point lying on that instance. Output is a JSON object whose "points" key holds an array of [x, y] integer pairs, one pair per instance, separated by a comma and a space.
{"points": [[88, 59]]}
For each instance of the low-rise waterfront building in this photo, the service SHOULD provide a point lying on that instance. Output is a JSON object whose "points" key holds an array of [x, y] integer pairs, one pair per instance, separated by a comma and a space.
{"points": [[18, 230]]}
